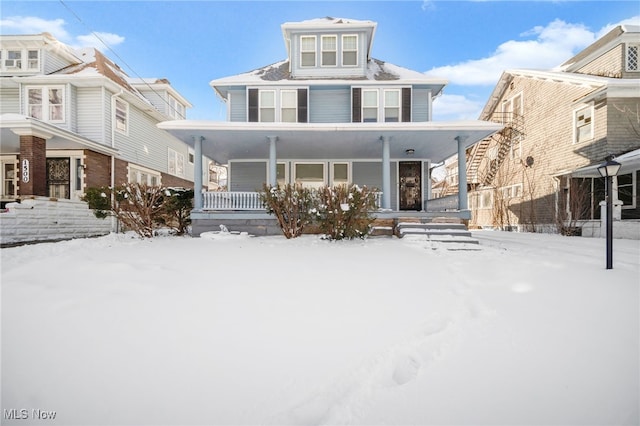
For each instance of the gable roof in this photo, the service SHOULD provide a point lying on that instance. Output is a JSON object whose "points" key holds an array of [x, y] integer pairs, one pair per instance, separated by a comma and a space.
{"points": [[377, 71]]}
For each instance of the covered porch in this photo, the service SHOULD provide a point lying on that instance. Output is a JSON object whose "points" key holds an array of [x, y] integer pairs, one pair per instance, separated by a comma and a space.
{"points": [[381, 147]]}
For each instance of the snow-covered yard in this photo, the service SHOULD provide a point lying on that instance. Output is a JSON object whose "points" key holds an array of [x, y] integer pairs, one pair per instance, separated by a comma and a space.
{"points": [[531, 329]]}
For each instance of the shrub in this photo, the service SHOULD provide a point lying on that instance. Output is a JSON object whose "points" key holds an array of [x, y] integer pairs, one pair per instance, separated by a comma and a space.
{"points": [[345, 212], [138, 206], [177, 204], [291, 205], [99, 200]]}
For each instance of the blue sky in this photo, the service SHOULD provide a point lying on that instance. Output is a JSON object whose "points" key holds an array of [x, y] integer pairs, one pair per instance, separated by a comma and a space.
{"points": [[469, 43]]}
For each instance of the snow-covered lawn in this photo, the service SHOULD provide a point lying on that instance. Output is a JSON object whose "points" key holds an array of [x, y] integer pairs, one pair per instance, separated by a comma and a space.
{"points": [[531, 329]]}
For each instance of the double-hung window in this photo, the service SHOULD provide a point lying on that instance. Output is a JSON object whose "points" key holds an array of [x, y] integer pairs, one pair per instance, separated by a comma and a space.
{"points": [[267, 106], [176, 163], [583, 119], [392, 105], [308, 51], [176, 109], [627, 190], [633, 57], [33, 60], [121, 116], [46, 103], [288, 106], [349, 50], [369, 105], [329, 50]]}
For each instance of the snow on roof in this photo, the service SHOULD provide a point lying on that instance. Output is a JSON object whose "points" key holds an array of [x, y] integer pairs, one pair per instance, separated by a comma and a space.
{"points": [[326, 20]]}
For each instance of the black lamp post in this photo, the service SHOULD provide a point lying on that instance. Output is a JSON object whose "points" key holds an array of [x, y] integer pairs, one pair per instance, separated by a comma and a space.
{"points": [[608, 170]]}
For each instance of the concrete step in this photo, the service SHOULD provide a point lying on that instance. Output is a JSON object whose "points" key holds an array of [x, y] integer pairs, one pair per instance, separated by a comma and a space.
{"points": [[454, 235]]}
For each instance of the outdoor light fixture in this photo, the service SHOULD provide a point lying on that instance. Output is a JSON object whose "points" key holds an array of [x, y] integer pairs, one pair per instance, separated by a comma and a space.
{"points": [[608, 170], [410, 151]]}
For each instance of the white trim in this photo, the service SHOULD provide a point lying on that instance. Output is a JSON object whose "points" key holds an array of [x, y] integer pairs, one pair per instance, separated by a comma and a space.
{"points": [[45, 111], [177, 158], [342, 51], [628, 46], [149, 172], [126, 111], [322, 50], [332, 177], [315, 51], [320, 162], [261, 107], [281, 106], [591, 125]]}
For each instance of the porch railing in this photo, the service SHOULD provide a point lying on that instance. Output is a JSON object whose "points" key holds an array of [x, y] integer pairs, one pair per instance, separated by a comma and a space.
{"points": [[242, 201]]}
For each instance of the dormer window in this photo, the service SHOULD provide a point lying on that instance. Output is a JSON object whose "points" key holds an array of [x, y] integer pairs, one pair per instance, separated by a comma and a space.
{"points": [[329, 50], [14, 59], [176, 109], [350, 50], [633, 57], [33, 60], [308, 51]]}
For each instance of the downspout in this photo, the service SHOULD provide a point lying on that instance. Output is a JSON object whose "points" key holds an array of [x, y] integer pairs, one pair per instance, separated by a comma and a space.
{"points": [[113, 157]]}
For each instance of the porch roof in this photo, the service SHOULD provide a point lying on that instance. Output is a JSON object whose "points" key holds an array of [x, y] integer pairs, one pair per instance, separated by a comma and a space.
{"points": [[224, 141], [630, 162]]}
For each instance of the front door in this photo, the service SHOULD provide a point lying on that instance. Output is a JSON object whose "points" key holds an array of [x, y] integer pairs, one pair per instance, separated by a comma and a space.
{"points": [[410, 174], [59, 177]]}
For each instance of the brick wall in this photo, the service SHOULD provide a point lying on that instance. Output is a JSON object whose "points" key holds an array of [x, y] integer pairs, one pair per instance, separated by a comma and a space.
{"points": [[98, 169], [33, 149], [174, 181]]}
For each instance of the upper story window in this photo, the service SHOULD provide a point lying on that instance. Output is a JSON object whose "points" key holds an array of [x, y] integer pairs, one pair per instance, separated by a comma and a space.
{"points": [[308, 51], [633, 57], [392, 105], [267, 106], [20, 60], [176, 109], [46, 103], [121, 116], [350, 50], [176, 163], [289, 106], [369, 105], [583, 122], [329, 50]]}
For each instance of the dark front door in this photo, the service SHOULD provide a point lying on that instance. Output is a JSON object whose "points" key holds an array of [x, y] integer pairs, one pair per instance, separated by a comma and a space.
{"points": [[58, 177], [410, 173]]}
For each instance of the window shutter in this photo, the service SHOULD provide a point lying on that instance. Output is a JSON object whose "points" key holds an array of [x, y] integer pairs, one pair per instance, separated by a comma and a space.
{"points": [[356, 105], [406, 104], [302, 106], [253, 105]]}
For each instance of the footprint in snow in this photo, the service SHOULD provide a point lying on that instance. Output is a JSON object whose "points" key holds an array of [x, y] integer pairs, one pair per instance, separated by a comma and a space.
{"points": [[406, 369]]}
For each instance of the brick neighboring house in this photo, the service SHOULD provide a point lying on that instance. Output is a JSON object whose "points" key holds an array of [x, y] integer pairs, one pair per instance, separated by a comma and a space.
{"points": [[72, 119], [540, 170]]}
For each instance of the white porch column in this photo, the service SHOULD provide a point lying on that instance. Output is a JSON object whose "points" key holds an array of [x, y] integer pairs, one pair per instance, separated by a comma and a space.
{"points": [[197, 173], [273, 161], [386, 174], [462, 174]]}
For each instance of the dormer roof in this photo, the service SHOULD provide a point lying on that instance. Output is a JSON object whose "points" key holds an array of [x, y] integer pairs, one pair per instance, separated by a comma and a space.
{"points": [[328, 24]]}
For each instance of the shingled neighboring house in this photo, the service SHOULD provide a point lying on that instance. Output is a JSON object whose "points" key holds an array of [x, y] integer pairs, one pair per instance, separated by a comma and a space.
{"points": [[72, 119], [539, 173], [328, 114]]}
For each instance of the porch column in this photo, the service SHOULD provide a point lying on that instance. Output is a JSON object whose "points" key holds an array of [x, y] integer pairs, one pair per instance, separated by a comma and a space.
{"points": [[386, 174], [197, 173], [462, 173], [32, 166], [273, 161]]}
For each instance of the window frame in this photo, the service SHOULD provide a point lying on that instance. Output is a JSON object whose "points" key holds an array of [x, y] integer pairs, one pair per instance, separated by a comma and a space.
{"points": [[175, 163], [369, 107], [46, 107], [333, 172], [629, 47], [316, 185], [350, 50], [632, 185], [262, 108], [313, 53], [398, 107], [139, 171], [334, 51], [282, 107], [577, 127], [176, 109], [121, 121]]}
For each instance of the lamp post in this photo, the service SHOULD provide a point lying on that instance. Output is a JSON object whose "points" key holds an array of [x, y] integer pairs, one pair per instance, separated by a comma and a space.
{"points": [[608, 170]]}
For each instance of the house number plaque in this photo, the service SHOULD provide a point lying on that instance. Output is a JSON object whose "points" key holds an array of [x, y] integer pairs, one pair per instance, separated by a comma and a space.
{"points": [[25, 170]]}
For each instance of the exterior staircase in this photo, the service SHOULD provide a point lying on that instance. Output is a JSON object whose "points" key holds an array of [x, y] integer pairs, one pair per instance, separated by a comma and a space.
{"points": [[453, 235]]}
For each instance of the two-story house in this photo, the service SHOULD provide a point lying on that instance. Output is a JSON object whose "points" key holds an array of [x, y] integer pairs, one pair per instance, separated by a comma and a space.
{"points": [[72, 119], [540, 171], [328, 114]]}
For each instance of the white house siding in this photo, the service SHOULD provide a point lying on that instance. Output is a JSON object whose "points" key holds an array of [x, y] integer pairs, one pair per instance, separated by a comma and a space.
{"points": [[72, 109], [158, 100], [238, 107], [607, 65], [420, 104], [623, 130], [330, 104], [337, 71], [52, 62], [90, 110], [247, 176], [9, 100]]}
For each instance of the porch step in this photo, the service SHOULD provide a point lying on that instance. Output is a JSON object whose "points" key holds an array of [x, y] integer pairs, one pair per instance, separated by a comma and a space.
{"points": [[455, 234]]}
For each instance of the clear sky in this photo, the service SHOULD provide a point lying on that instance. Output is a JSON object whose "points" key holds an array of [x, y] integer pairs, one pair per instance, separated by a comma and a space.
{"points": [[469, 43]]}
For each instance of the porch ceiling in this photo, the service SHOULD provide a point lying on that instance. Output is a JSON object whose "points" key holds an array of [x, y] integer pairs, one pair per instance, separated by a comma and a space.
{"points": [[224, 141]]}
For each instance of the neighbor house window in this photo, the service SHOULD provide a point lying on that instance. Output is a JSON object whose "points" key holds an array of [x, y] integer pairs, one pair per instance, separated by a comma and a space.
{"points": [[310, 175], [289, 106], [267, 106], [46, 103], [392, 106], [308, 51], [340, 174], [350, 50], [512, 191], [633, 56], [176, 163], [329, 50], [176, 109], [33, 59], [627, 190], [191, 156], [369, 106], [121, 111], [143, 176], [583, 124]]}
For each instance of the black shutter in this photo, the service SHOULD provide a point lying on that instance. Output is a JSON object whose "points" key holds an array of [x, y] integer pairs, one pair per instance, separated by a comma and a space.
{"points": [[356, 105], [253, 105], [302, 106], [406, 104]]}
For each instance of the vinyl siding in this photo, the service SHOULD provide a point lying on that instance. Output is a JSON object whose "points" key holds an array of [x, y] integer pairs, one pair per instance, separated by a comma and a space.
{"points": [[420, 105], [89, 113], [50, 62], [10, 100], [247, 176], [72, 109], [238, 105], [157, 99], [329, 104]]}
